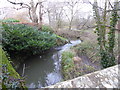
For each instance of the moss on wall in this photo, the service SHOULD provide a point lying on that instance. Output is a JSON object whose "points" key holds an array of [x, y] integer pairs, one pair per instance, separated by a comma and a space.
{"points": [[5, 61], [10, 75]]}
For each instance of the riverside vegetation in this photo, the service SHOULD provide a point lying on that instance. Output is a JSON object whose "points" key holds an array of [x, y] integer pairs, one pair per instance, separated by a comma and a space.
{"points": [[20, 41], [10, 78], [99, 49], [98, 33], [88, 52]]}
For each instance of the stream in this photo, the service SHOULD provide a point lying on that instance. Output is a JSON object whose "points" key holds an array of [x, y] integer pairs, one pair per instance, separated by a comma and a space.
{"points": [[45, 70]]}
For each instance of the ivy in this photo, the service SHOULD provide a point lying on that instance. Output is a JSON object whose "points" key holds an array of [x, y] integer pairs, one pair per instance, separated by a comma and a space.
{"points": [[106, 48], [9, 81]]}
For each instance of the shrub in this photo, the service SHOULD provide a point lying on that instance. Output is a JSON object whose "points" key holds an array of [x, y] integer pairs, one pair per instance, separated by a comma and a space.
{"points": [[47, 29], [19, 39], [10, 20]]}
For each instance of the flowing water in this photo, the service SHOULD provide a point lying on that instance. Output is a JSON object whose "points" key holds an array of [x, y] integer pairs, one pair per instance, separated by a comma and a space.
{"points": [[44, 70]]}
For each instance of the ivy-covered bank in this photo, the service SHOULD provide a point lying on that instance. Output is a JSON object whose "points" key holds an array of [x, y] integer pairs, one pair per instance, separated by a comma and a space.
{"points": [[10, 78]]}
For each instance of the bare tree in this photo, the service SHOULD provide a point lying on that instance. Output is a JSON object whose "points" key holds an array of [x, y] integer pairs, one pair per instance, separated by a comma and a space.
{"points": [[55, 14], [72, 6], [32, 9]]}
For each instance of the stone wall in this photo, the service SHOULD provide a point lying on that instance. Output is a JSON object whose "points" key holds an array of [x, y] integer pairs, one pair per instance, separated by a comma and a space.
{"points": [[106, 78]]}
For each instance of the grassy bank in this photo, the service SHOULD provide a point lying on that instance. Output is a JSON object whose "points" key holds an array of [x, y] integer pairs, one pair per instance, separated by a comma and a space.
{"points": [[88, 52], [89, 46], [68, 67]]}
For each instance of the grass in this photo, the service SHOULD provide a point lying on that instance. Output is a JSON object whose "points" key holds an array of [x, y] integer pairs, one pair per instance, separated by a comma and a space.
{"points": [[88, 48], [67, 64], [89, 45]]}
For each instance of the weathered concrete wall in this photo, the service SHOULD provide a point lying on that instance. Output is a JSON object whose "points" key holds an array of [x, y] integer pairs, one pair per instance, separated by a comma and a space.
{"points": [[107, 78]]}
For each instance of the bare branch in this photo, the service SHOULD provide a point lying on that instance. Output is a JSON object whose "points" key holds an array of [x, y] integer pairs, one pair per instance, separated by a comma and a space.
{"points": [[113, 10], [36, 5], [110, 4], [21, 4], [95, 6], [85, 23], [108, 26]]}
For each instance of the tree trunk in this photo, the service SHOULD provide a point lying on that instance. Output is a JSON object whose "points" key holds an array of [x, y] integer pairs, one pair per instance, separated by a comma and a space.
{"points": [[40, 16], [33, 15], [118, 26]]}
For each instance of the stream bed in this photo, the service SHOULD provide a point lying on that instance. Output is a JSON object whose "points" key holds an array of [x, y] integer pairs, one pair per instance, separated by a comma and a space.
{"points": [[44, 70]]}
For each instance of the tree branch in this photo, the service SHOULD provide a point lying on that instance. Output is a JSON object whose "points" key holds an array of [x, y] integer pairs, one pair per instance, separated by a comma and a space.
{"points": [[113, 10], [36, 5], [21, 4]]}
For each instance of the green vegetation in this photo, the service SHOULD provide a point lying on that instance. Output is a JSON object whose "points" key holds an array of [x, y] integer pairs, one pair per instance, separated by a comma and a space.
{"points": [[9, 20], [10, 78], [22, 39], [60, 40], [67, 64], [89, 49], [6, 62], [46, 28], [106, 44]]}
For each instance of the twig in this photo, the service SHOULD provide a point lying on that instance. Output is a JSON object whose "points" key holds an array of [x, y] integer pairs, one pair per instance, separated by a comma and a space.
{"points": [[23, 70]]}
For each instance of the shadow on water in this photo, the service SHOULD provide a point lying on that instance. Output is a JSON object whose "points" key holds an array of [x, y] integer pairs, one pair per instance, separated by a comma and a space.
{"points": [[44, 70]]}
